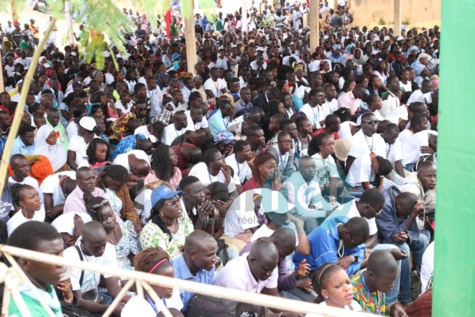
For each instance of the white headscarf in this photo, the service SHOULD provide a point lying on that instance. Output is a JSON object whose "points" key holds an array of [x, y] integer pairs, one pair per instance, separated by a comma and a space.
{"points": [[55, 153]]}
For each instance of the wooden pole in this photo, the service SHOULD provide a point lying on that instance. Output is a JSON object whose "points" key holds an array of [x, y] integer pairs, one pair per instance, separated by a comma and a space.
{"points": [[21, 103], [314, 24], [199, 288], [2, 88], [397, 17], [190, 41]]}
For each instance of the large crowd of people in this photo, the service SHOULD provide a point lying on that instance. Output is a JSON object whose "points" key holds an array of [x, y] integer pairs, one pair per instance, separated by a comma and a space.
{"points": [[270, 166]]}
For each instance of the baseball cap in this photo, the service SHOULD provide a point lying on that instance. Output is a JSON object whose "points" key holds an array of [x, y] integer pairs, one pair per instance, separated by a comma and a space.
{"points": [[342, 149], [274, 201], [163, 192], [87, 123]]}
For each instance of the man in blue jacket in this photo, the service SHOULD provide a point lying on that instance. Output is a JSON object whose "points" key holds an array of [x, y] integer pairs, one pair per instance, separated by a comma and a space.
{"points": [[338, 240]]}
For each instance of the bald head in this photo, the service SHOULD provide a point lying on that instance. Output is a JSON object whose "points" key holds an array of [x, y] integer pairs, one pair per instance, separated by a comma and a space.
{"points": [[93, 230], [264, 248], [381, 261], [196, 239], [284, 240], [141, 168], [263, 259]]}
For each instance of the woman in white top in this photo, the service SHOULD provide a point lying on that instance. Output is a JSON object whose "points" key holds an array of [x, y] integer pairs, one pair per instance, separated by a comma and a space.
{"points": [[27, 198], [45, 144], [153, 261], [334, 288]]}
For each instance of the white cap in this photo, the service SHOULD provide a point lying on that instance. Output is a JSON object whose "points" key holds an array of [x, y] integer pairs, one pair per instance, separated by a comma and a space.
{"points": [[87, 123]]}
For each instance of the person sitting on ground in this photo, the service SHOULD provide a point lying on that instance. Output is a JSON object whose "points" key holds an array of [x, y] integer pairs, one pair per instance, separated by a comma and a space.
{"points": [[86, 186], [78, 144], [214, 169], [338, 240], [25, 141], [197, 263], [55, 189], [98, 155], [21, 169], [333, 287], [368, 171], [168, 225], [40, 237], [94, 248], [285, 158], [27, 199], [114, 183], [120, 234], [154, 261], [370, 286], [303, 191], [287, 282], [238, 160], [397, 225]]}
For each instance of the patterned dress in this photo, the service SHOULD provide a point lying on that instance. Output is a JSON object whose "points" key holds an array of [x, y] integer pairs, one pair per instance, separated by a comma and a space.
{"points": [[153, 236], [129, 243]]}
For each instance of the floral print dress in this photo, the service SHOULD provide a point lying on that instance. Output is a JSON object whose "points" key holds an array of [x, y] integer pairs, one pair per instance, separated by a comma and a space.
{"points": [[152, 236], [129, 243]]}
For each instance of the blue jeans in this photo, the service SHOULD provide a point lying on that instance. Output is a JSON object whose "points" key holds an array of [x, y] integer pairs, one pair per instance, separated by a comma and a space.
{"points": [[392, 296], [417, 247]]}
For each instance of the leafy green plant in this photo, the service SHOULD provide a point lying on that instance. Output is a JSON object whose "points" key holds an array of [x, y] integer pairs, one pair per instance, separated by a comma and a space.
{"points": [[381, 21], [406, 21]]}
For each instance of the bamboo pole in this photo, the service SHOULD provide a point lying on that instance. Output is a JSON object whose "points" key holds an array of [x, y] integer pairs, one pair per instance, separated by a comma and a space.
{"points": [[190, 41], [19, 108], [118, 298], [199, 288], [2, 87]]}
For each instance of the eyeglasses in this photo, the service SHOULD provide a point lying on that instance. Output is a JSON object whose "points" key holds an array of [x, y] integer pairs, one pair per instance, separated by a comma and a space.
{"points": [[102, 204], [375, 212], [351, 237], [173, 202], [371, 121]]}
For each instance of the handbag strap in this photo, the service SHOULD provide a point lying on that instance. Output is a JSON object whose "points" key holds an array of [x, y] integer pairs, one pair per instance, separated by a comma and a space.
{"points": [[82, 259]]}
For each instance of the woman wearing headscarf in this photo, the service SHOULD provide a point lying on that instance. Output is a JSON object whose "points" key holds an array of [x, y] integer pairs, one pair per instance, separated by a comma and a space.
{"points": [[45, 144], [99, 77]]}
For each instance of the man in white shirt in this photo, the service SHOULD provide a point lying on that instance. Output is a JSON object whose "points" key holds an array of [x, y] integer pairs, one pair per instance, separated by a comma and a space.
{"points": [[21, 169], [330, 97], [55, 188], [422, 95], [365, 169], [77, 152], [214, 169], [196, 120], [215, 86], [420, 144], [393, 147], [366, 140], [177, 128], [93, 248], [316, 109], [238, 160], [188, 86]]}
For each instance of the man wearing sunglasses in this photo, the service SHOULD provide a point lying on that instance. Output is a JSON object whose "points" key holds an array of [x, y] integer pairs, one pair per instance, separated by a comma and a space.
{"points": [[366, 140]]}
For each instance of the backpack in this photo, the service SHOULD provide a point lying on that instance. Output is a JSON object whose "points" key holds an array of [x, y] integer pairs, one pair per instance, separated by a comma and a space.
{"points": [[207, 306]]}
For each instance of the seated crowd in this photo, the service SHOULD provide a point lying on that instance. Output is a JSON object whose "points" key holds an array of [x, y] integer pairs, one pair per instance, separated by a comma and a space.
{"points": [[280, 169]]}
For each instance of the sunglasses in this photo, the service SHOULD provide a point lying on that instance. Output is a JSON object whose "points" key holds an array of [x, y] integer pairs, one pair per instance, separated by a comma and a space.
{"points": [[102, 204], [371, 121]]}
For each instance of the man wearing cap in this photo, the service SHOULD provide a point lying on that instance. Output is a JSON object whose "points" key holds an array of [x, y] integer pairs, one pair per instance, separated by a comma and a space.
{"points": [[79, 143]]}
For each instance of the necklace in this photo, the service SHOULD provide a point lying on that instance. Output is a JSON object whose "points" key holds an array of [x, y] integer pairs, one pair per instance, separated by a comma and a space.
{"points": [[372, 143], [379, 297], [113, 240]]}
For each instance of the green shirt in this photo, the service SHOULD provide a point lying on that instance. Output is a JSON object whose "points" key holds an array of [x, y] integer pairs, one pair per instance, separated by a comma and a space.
{"points": [[24, 45], [34, 306]]}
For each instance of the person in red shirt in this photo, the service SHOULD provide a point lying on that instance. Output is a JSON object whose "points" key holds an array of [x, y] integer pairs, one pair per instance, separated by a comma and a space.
{"points": [[332, 126]]}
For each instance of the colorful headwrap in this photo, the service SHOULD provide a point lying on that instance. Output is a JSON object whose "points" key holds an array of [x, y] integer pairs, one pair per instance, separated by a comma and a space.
{"points": [[225, 136]]}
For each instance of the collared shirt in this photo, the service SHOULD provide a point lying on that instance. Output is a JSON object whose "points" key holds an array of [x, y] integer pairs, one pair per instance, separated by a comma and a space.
{"points": [[348, 100], [316, 114], [325, 245], [182, 272], [34, 300], [20, 148], [237, 275], [242, 170], [216, 122], [241, 104], [75, 201]]}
